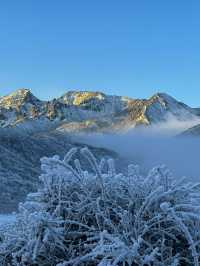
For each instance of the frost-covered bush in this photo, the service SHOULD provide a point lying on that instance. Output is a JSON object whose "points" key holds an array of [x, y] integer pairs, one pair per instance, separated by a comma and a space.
{"points": [[104, 218]]}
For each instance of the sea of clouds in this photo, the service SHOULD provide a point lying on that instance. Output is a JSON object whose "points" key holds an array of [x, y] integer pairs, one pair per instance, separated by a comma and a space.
{"points": [[155, 145]]}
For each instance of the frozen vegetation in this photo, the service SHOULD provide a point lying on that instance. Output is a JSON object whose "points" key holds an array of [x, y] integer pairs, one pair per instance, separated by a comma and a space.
{"points": [[6, 219], [100, 217]]}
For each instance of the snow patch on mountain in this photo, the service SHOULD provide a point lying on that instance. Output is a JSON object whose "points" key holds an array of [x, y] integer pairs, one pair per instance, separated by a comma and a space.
{"points": [[106, 113]]}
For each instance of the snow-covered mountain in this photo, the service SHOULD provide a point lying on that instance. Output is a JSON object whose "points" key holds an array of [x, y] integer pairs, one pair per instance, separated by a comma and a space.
{"points": [[31, 128], [92, 111]]}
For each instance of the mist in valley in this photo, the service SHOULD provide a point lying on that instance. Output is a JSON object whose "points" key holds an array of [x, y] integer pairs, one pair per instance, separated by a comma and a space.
{"points": [[155, 145]]}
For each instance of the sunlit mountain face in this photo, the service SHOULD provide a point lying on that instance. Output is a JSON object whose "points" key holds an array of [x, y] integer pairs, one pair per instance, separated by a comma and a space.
{"points": [[84, 111]]}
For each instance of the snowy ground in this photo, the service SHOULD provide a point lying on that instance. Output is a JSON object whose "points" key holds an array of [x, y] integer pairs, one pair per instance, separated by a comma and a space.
{"points": [[6, 219]]}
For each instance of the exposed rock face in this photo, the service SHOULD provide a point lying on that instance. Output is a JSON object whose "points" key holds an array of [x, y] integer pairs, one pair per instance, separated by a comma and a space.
{"points": [[84, 108], [19, 106], [18, 99]]}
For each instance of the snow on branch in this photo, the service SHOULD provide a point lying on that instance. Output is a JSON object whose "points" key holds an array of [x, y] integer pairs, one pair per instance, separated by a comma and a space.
{"points": [[100, 217]]}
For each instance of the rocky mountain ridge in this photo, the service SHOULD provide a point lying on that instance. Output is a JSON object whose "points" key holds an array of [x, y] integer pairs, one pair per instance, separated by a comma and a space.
{"points": [[92, 111]]}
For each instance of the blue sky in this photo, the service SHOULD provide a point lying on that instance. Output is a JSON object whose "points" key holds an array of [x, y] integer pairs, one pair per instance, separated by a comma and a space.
{"points": [[129, 47]]}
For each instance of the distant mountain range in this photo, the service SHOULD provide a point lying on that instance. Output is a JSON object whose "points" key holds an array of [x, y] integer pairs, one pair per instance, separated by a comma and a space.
{"points": [[31, 128], [85, 111]]}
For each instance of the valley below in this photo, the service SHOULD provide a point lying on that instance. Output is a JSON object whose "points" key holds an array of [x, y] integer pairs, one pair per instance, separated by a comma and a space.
{"points": [[95, 179], [159, 130]]}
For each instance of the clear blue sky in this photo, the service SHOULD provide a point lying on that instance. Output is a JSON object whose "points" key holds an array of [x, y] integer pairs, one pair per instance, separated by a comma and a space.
{"points": [[129, 47]]}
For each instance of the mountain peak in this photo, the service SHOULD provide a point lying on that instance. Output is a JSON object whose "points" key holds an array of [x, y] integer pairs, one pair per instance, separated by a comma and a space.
{"points": [[163, 95], [76, 106], [79, 97], [22, 91], [166, 99], [19, 93], [17, 98]]}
